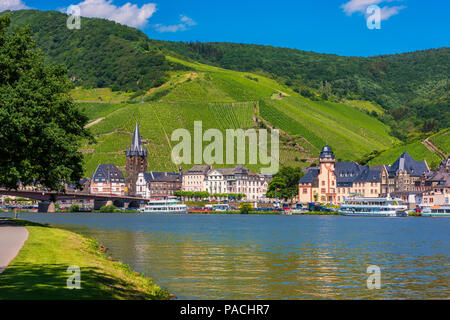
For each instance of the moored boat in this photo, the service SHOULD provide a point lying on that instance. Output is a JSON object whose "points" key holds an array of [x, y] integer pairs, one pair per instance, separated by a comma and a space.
{"points": [[437, 211], [170, 206], [373, 207]]}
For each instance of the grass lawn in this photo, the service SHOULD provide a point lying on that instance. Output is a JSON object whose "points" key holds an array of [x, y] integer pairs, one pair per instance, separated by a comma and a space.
{"points": [[39, 272]]}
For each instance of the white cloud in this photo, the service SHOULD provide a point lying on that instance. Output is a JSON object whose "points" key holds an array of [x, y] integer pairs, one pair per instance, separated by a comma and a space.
{"points": [[12, 5], [387, 12], [361, 6], [128, 14], [188, 21], [185, 22]]}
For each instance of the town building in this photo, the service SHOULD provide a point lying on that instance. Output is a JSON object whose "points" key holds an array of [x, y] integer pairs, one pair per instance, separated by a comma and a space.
{"points": [[438, 186], [136, 163], [108, 180], [402, 176], [156, 184], [236, 180], [194, 179], [333, 180]]}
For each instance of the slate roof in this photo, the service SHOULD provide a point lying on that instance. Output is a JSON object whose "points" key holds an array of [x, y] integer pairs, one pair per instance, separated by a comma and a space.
{"points": [[136, 148], [407, 163], [158, 176], [312, 174], [199, 169], [326, 153], [346, 173], [445, 163], [108, 173]]}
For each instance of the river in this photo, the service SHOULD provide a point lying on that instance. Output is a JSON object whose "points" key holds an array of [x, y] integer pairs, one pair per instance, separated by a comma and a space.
{"points": [[275, 257]]}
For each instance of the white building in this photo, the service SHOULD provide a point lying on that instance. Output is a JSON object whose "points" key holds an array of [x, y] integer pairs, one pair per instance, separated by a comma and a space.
{"points": [[237, 180], [157, 185]]}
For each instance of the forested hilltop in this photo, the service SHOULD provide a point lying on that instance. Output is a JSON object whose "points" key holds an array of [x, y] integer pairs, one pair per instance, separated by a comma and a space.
{"points": [[409, 92], [412, 87], [103, 54]]}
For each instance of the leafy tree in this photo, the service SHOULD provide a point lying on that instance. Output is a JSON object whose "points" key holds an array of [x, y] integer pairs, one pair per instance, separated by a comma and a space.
{"points": [[277, 188], [41, 127], [285, 183]]}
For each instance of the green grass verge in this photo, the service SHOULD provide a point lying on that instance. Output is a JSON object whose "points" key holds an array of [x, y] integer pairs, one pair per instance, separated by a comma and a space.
{"points": [[39, 272]]}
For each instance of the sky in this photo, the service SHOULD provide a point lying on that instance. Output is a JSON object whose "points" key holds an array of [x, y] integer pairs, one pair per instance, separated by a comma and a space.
{"points": [[325, 26]]}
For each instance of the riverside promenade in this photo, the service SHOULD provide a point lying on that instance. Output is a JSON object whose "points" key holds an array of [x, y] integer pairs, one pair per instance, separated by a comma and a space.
{"points": [[12, 238]]}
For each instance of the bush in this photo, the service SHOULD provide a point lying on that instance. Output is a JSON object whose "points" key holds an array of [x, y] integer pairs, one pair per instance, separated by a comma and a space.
{"points": [[245, 208], [108, 209], [74, 208]]}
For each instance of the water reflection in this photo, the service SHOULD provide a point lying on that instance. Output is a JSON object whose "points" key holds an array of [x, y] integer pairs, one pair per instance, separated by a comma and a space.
{"points": [[217, 257]]}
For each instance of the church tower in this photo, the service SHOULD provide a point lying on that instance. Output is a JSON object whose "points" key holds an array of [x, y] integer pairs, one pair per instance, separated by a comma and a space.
{"points": [[327, 178], [136, 161]]}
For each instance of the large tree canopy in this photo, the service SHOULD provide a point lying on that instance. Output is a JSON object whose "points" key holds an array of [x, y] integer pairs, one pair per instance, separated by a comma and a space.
{"points": [[40, 125], [285, 183]]}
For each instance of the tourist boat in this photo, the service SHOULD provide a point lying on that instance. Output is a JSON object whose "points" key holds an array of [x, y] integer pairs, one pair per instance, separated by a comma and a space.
{"points": [[171, 206], [437, 211], [373, 207]]}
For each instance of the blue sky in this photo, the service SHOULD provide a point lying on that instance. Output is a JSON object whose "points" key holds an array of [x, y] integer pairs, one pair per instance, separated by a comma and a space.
{"points": [[330, 26]]}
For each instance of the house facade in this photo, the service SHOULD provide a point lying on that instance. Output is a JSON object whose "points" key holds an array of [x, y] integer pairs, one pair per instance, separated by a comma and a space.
{"points": [[157, 184], [237, 180], [226, 181], [108, 180], [438, 186], [194, 179], [403, 176], [333, 180]]}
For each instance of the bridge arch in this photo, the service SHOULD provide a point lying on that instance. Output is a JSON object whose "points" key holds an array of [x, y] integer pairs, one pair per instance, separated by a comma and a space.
{"points": [[134, 204], [118, 203]]}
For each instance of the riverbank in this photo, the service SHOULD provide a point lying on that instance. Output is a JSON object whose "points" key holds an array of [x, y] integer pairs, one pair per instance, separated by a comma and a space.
{"points": [[40, 270]]}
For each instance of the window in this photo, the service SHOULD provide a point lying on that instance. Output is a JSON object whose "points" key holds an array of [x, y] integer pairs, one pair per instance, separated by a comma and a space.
{"points": [[305, 191]]}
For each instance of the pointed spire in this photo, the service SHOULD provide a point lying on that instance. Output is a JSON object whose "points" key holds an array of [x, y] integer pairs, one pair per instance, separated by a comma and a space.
{"points": [[136, 143], [136, 147]]}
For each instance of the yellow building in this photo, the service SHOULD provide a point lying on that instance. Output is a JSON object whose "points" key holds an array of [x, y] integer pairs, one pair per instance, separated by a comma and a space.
{"points": [[334, 180]]}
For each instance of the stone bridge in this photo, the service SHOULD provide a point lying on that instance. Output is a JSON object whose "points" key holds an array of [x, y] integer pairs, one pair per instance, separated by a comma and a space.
{"points": [[48, 198]]}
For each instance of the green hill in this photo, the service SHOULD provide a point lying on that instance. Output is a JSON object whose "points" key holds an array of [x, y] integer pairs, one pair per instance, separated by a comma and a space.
{"points": [[102, 54], [419, 150], [226, 99], [312, 98], [410, 86]]}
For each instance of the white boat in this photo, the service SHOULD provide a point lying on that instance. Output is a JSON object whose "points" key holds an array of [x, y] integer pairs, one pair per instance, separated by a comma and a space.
{"points": [[373, 207], [171, 206], [437, 211]]}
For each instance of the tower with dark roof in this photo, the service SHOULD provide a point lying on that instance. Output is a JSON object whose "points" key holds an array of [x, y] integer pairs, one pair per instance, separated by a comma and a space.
{"points": [[327, 154], [136, 161]]}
